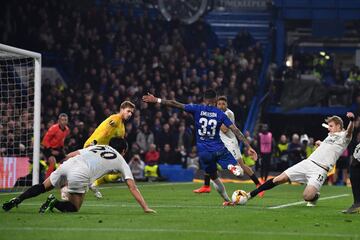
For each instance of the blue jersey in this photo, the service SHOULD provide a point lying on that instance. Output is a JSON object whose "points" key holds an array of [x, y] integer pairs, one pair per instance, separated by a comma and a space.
{"points": [[208, 120]]}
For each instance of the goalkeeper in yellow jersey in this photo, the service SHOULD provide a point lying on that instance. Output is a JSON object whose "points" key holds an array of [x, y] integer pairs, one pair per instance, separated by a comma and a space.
{"points": [[113, 126]]}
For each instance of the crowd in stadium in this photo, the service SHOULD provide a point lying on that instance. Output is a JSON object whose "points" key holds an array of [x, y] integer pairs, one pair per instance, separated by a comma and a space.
{"points": [[115, 57], [339, 85]]}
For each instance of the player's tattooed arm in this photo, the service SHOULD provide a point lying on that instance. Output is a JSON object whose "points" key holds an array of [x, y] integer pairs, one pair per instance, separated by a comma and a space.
{"points": [[239, 135], [170, 103], [242, 138], [173, 103], [350, 128]]}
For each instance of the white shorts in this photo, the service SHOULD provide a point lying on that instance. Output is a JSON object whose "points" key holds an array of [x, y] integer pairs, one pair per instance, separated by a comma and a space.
{"points": [[74, 173], [234, 149], [307, 172]]}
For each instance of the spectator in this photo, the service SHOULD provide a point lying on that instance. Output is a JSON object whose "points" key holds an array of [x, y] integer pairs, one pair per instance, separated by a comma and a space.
{"points": [[168, 156], [265, 146], [295, 151], [192, 160], [144, 138], [183, 138], [152, 156], [281, 153], [165, 136], [137, 167]]}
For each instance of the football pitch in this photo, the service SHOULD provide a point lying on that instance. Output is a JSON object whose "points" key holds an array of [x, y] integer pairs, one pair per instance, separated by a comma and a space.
{"points": [[182, 214]]}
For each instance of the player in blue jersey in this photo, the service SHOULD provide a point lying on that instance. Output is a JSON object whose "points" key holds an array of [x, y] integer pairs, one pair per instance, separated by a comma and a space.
{"points": [[211, 150]]}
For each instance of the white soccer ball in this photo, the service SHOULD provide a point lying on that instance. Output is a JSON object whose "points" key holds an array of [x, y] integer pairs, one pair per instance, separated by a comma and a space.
{"points": [[239, 197]]}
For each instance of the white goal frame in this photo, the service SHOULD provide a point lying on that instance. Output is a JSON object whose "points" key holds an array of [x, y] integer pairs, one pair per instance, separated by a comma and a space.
{"points": [[37, 104]]}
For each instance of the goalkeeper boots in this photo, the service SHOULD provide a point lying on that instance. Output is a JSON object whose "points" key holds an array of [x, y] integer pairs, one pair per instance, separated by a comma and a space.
{"points": [[48, 205], [14, 202], [203, 189]]}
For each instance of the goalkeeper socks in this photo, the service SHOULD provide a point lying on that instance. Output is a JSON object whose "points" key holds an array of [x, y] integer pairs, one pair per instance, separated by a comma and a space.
{"points": [[99, 181], [219, 186], [207, 180], [269, 184], [32, 192], [65, 206], [109, 178], [254, 179]]}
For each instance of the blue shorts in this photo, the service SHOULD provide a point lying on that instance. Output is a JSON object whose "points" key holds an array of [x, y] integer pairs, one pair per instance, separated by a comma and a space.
{"points": [[208, 160]]}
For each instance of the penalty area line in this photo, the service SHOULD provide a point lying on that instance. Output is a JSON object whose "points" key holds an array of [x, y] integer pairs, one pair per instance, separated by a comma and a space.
{"points": [[303, 202]]}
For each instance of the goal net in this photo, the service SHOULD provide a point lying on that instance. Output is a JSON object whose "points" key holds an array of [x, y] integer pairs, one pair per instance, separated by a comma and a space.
{"points": [[20, 89]]}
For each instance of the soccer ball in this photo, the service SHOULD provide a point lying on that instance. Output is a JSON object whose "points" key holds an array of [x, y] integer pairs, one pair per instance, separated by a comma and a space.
{"points": [[239, 197]]}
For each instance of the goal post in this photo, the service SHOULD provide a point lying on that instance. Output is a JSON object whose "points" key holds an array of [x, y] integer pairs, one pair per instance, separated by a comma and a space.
{"points": [[20, 99]]}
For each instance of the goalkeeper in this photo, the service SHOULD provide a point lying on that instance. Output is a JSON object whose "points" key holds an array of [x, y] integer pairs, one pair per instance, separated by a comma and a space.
{"points": [[111, 127]]}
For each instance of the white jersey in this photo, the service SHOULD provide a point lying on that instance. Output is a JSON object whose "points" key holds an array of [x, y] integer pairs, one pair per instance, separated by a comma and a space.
{"points": [[330, 149], [103, 159], [229, 137]]}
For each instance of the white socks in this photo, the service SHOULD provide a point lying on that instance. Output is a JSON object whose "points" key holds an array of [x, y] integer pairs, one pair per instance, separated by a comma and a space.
{"points": [[219, 186]]}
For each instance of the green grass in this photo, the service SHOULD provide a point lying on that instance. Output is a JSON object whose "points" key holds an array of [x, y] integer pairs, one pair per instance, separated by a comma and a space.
{"points": [[182, 214]]}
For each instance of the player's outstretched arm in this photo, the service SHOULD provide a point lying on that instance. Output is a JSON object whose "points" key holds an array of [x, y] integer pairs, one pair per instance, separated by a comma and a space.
{"points": [[240, 136], [350, 128], [137, 195], [171, 103]]}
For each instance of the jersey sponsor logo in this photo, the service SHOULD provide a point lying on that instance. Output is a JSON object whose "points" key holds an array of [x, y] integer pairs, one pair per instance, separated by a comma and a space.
{"points": [[112, 123], [208, 114]]}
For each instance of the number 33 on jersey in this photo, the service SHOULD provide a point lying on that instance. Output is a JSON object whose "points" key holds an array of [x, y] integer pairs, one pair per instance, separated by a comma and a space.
{"points": [[208, 120]]}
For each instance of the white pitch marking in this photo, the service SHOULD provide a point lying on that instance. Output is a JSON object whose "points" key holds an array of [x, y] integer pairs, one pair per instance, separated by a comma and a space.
{"points": [[303, 202], [101, 205], [173, 230]]}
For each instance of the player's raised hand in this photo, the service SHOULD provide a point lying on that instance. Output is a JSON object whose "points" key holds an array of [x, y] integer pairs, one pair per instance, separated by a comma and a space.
{"points": [[149, 98], [350, 115], [149, 210], [253, 154]]}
